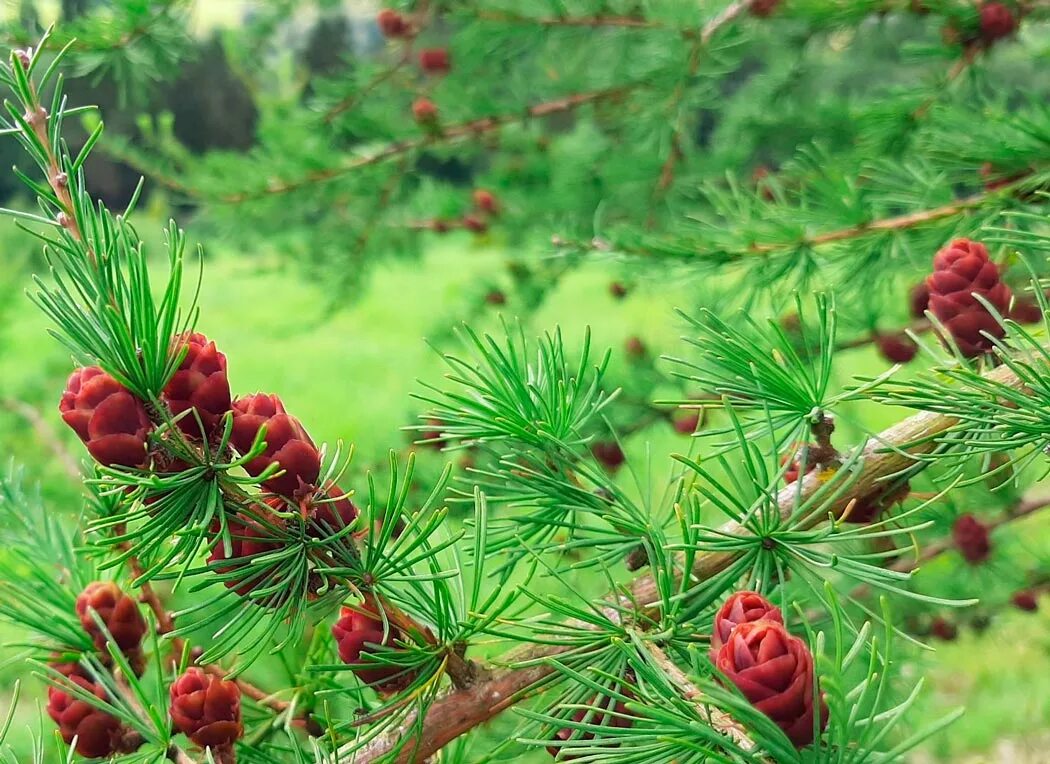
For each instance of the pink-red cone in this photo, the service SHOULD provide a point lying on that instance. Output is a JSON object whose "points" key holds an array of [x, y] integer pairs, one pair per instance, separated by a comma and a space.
{"points": [[774, 671], [206, 708], [111, 421], [355, 632], [287, 443], [961, 272], [200, 383]]}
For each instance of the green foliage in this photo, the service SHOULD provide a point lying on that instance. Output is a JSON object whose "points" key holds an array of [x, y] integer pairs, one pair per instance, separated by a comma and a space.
{"points": [[636, 170]]}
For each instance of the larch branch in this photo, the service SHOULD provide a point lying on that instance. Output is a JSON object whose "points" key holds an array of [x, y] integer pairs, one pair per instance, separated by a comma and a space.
{"points": [[457, 712], [448, 134]]}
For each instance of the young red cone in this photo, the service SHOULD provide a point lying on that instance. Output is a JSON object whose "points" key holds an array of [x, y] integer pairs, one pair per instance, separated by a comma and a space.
{"points": [[962, 270], [774, 671], [356, 632], [763, 8], [896, 348], [117, 610], [972, 539], [634, 347], [200, 383], [111, 421], [206, 708], [618, 290], [97, 733], [685, 422], [997, 22], [609, 454], [392, 24], [475, 223], [424, 111], [331, 510], [1025, 600], [248, 538], [287, 443], [435, 60], [919, 300], [1026, 310], [943, 629], [793, 460], [485, 201], [741, 607]]}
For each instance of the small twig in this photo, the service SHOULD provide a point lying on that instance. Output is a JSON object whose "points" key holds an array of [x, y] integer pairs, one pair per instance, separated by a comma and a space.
{"points": [[961, 64], [355, 98], [1023, 508], [718, 718], [628, 22], [450, 133]]}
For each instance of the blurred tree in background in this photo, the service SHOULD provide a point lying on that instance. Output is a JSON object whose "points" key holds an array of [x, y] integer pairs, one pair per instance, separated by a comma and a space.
{"points": [[783, 173]]}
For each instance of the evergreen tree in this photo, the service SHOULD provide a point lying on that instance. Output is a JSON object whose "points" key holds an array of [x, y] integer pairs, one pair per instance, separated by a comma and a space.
{"points": [[753, 610]]}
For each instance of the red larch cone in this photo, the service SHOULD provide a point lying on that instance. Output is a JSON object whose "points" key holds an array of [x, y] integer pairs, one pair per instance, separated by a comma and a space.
{"points": [[475, 223], [117, 610], [206, 708], [997, 22], [611, 715], [609, 454], [424, 111], [774, 671], [200, 383], [435, 60], [111, 421], [1025, 600], [355, 632], [763, 8], [485, 201], [97, 733], [896, 348], [685, 422], [919, 300], [392, 24], [741, 607], [287, 443], [962, 270], [248, 538], [943, 629], [972, 539]]}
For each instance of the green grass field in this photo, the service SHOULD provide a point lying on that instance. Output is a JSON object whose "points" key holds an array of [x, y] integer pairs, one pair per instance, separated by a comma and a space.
{"points": [[348, 375]]}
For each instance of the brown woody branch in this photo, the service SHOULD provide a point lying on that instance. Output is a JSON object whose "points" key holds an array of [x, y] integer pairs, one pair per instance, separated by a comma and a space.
{"points": [[449, 134], [885, 455], [718, 718], [882, 225]]}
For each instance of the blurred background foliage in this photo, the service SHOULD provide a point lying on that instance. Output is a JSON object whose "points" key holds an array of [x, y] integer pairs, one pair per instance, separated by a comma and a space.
{"points": [[240, 113]]}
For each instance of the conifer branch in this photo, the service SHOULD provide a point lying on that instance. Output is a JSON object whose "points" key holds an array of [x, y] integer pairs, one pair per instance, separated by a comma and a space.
{"points": [[356, 97], [719, 719], [885, 455], [1018, 511], [448, 134], [675, 152], [902, 222], [627, 22]]}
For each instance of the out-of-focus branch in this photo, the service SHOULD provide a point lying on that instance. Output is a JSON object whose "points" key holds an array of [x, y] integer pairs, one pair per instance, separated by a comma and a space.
{"points": [[47, 435], [447, 134]]}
